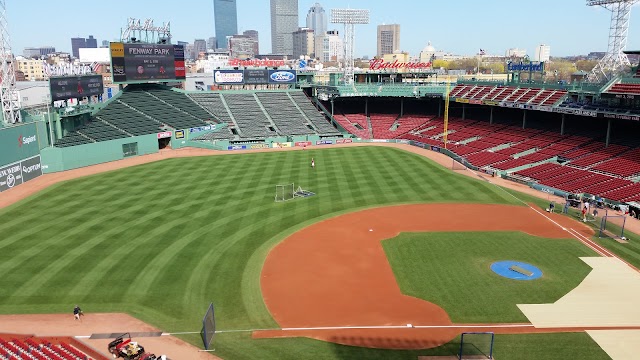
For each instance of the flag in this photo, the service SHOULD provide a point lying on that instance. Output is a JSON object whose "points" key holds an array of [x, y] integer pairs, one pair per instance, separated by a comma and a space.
{"points": [[482, 52], [96, 66]]}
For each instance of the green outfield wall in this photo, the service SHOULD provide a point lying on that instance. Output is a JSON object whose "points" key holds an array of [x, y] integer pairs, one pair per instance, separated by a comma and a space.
{"points": [[22, 142], [60, 159]]}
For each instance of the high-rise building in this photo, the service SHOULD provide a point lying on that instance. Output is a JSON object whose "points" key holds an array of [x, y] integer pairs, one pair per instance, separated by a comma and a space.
{"points": [[212, 43], [543, 53], [199, 46], [77, 43], [254, 35], [284, 22], [32, 52], [105, 43], [303, 43], [515, 52], [329, 47], [91, 42], [188, 52], [226, 19], [388, 39], [242, 47], [317, 19]]}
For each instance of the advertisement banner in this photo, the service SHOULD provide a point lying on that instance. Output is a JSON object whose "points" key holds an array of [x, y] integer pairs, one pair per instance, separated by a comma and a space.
{"points": [[462, 101], [256, 76], [379, 140], [228, 77], [621, 117], [475, 102], [282, 76], [75, 87], [15, 174], [179, 134], [260, 146], [276, 145], [164, 135], [201, 129], [579, 112], [435, 148], [303, 143], [491, 103], [419, 144], [237, 147], [324, 142], [344, 141]]}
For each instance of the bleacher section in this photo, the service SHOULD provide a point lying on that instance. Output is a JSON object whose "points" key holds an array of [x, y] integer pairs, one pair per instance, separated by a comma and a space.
{"points": [[249, 116], [139, 110], [41, 349], [621, 88], [355, 124], [316, 117], [284, 114]]}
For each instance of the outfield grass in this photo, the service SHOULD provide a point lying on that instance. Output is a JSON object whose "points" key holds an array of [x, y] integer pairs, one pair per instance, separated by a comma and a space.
{"points": [[162, 240], [453, 271]]}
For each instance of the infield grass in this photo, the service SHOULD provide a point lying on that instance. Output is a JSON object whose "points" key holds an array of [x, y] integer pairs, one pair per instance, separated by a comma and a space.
{"points": [[160, 241], [453, 271]]}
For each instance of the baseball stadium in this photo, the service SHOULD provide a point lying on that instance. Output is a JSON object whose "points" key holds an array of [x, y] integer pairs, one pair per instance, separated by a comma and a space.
{"points": [[388, 214]]}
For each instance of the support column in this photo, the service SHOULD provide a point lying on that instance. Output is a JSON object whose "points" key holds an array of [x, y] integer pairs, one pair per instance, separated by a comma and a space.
{"points": [[608, 133], [491, 116], [464, 111], [440, 108], [524, 120], [332, 107], [58, 121], [366, 106], [401, 106], [564, 116]]}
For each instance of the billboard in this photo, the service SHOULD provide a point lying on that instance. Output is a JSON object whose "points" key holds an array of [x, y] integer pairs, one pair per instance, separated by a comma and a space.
{"points": [[20, 172], [75, 87], [228, 77], [282, 76], [147, 62], [256, 76]]}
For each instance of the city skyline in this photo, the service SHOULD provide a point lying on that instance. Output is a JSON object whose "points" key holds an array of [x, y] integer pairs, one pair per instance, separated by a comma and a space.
{"points": [[476, 26]]}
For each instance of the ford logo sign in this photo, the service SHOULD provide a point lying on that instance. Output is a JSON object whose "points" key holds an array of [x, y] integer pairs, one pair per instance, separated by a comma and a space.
{"points": [[283, 76]]}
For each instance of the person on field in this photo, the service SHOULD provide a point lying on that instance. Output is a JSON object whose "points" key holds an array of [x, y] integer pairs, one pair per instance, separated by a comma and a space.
{"points": [[552, 205], [566, 208], [77, 312], [584, 214], [313, 163]]}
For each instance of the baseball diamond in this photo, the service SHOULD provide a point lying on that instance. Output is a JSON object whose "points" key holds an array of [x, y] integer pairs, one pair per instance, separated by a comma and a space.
{"points": [[291, 211]]}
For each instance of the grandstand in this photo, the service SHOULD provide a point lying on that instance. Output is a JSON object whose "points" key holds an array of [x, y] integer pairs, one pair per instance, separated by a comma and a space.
{"points": [[29, 348]]}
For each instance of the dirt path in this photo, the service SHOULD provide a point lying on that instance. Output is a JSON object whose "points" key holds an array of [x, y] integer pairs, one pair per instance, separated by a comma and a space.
{"points": [[335, 273]]}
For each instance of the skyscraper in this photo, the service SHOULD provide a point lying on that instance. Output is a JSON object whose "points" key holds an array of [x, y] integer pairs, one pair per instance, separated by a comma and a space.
{"points": [[212, 43], [254, 35], [303, 43], [199, 46], [77, 43], [242, 46], [284, 22], [329, 47], [388, 39], [543, 53], [317, 19], [91, 42], [226, 18]]}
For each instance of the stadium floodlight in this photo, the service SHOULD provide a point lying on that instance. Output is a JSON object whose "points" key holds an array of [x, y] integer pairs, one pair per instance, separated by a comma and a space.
{"points": [[350, 18], [8, 94], [146, 32], [615, 59]]}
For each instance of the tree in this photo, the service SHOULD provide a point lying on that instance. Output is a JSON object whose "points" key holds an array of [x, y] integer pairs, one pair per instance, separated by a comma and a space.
{"points": [[586, 65], [437, 64]]}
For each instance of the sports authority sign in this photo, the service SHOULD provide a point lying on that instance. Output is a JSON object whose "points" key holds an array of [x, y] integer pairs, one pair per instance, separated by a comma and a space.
{"points": [[15, 174]]}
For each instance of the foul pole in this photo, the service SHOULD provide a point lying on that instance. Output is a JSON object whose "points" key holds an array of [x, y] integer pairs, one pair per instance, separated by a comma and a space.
{"points": [[446, 113]]}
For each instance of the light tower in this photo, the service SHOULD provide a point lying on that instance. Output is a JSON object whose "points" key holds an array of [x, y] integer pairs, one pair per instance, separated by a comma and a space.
{"points": [[615, 59], [349, 17], [8, 95]]}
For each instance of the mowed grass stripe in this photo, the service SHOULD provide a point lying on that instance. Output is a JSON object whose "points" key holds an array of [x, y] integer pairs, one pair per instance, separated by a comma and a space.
{"points": [[161, 240]]}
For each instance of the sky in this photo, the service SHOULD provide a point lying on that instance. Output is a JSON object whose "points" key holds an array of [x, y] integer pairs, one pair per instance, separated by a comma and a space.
{"points": [[461, 27]]}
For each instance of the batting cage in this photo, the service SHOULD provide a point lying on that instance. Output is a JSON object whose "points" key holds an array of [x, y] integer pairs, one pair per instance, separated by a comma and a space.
{"points": [[612, 225], [208, 327], [476, 345]]}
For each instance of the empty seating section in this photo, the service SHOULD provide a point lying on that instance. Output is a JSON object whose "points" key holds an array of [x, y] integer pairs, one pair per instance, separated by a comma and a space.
{"points": [[161, 111], [495, 92], [72, 139], [505, 94], [460, 90], [528, 95], [284, 114], [511, 164], [625, 88], [356, 124], [124, 117], [554, 98], [316, 117], [249, 116], [531, 96], [540, 97], [34, 348], [182, 102], [627, 164], [381, 125], [213, 103], [598, 155]]}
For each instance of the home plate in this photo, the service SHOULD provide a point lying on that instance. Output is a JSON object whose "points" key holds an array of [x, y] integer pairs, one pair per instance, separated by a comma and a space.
{"points": [[370, 229]]}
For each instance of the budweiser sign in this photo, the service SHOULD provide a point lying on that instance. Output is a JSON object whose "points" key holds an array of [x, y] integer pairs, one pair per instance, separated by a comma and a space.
{"points": [[256, 63], [379, 64]]}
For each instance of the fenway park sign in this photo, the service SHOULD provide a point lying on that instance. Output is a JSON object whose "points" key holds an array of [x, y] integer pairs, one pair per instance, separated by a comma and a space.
{"points": [[379, 64]]}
